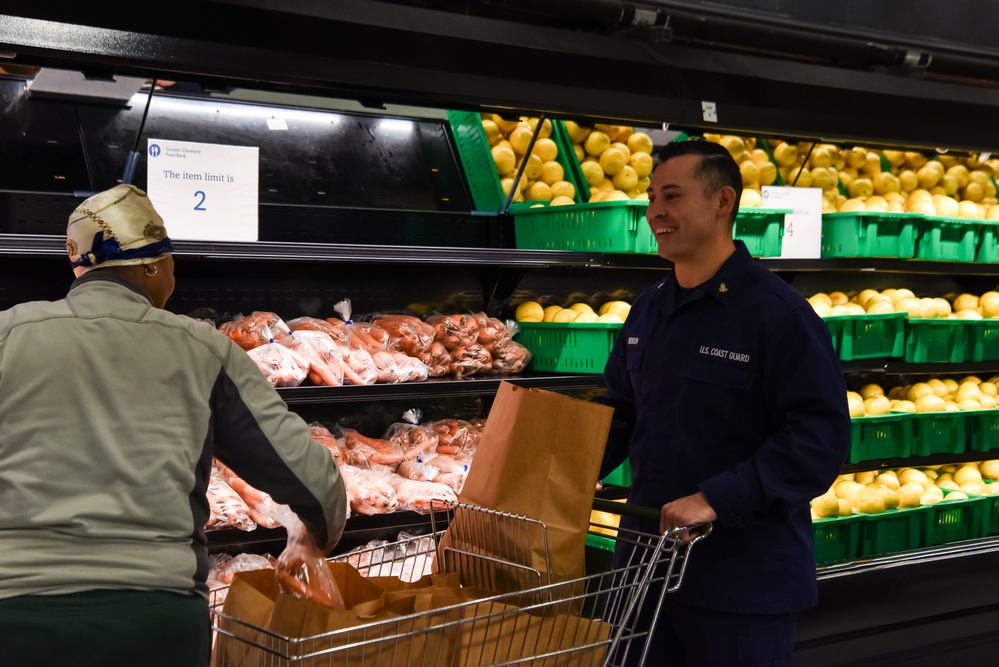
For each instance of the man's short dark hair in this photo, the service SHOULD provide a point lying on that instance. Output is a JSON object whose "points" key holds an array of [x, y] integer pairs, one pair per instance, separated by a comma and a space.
{"points": [[716, 170]]}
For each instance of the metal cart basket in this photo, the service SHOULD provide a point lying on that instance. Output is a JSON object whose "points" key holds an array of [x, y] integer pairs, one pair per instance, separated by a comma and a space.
{"points": [[531, 620]]}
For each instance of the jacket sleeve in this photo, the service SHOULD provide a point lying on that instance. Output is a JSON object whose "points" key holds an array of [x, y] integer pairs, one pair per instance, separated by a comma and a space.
{"points": [[271, 448], [619, 395], [805, 394]]}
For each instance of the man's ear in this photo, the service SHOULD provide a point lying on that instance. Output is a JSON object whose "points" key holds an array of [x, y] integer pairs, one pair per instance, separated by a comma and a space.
{"points": [[726, 201]]}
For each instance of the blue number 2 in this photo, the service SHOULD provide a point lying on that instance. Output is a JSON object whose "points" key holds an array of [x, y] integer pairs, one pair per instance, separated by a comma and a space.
{"points": [[200, 205]]}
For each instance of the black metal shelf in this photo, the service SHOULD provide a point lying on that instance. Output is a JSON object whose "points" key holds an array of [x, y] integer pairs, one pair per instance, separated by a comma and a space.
{"points": [[438, 388], [916, 461], [966, 548], [896, 367], [42, 244]]}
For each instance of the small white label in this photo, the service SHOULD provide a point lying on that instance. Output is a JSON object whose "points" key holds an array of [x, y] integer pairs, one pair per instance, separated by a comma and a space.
{"points": [[277, 124], [803, 226], [709, 112]]}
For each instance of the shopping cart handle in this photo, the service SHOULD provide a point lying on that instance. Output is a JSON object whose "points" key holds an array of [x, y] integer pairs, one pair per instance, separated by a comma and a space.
{"points": [[624, 509]]}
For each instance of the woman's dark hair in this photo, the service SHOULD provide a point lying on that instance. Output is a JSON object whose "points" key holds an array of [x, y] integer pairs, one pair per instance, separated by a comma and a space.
{"points": [[716, 170]]}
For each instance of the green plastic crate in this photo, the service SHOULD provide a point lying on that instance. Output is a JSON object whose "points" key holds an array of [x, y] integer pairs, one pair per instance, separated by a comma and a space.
{"points": [[873, 336], [982, 428], [602, 227], [893, 531], [939, 341], [761, 229], [988, 243], [880, 437], [984, 340], [477, 160], [563, 139], [938, 433], [955, 520], [620, 476], [869, 234], [837, 539], [990, 516], [948, 239], [567, 347]]}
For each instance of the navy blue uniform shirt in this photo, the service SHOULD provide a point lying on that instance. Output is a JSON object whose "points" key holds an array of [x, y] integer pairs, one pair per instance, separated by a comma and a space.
{"points": [[736, 392]]}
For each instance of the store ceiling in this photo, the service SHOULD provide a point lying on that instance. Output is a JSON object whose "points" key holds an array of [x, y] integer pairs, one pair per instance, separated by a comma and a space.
{"points": [[691, 64]]}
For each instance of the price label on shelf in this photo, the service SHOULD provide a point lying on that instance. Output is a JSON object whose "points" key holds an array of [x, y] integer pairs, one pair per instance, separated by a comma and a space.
{"points": [[802, 228], [205, 192]]}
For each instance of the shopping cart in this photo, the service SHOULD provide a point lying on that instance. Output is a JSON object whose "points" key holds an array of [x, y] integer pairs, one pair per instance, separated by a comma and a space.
{"points": [[532, 620]]}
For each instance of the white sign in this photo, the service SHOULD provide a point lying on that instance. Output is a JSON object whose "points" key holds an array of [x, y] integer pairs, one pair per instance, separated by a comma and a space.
{"points": [[802, 228], [205, 192]]}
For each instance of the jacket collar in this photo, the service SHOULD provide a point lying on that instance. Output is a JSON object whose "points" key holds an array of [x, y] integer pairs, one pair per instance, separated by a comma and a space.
{"points": [[722, 286], [108, 277]]}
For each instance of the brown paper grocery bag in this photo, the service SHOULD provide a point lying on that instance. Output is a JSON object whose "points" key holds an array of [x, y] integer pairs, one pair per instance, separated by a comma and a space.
{"points": [[539, 456], [273, 624], [493, 633]]}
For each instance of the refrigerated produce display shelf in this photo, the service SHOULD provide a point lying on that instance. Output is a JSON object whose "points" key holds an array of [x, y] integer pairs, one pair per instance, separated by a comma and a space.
{"points": [[438, 388], [952, 550]]}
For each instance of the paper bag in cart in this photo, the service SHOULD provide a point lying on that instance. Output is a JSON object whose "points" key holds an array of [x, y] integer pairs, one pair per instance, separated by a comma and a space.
{"points": [[539, 456], [386, 622]]}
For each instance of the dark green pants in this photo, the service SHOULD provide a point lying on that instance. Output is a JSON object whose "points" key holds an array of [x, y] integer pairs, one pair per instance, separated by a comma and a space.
{"points": [[105, 629]]}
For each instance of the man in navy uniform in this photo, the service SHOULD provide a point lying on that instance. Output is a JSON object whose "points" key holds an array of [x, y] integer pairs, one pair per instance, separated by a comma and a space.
{"points": [[730, 402]]}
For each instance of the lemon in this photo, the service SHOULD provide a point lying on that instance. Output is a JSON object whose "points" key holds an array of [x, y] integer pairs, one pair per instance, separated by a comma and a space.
{"points": [[550, 313], [538, 192], [520, 138], [505, 159], [612, 160], [563, 189], [639, 142], [641, 163], [552, 172], [877, 405], [597, 196], [750, 198], [826, 505], [870, 503], [888, 480], [581, 308], [492, 132], [592, 172], [606, 185], [546, 127], [534, 168], [596, 143], [562, 201], [750, 172], [505, 126], [768, 173], [576, 133], [869, 390], [610, 318], [545, 149], [845, 508], [580, 153], [530, 309], [565, 315], [586, 317], [616, 195], [619, 308], [626, 179]]}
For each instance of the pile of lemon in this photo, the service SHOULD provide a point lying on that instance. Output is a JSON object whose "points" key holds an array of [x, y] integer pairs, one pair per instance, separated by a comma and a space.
{"points": [[615, 312], [616, 160], [873, 492], [543, 179], [872, 302], [933, 395], [948, 185]]}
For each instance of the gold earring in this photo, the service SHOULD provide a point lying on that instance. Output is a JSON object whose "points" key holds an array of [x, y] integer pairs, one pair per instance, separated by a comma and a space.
{"points": [[148, 272]]}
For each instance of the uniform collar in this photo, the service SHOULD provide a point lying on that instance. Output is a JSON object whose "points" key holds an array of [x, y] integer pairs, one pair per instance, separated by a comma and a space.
{"points": [[109, 277], [723, 284]]}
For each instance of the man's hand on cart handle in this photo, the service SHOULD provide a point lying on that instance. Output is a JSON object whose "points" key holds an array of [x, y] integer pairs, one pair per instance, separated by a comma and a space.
{"points": [[684, 512]]}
